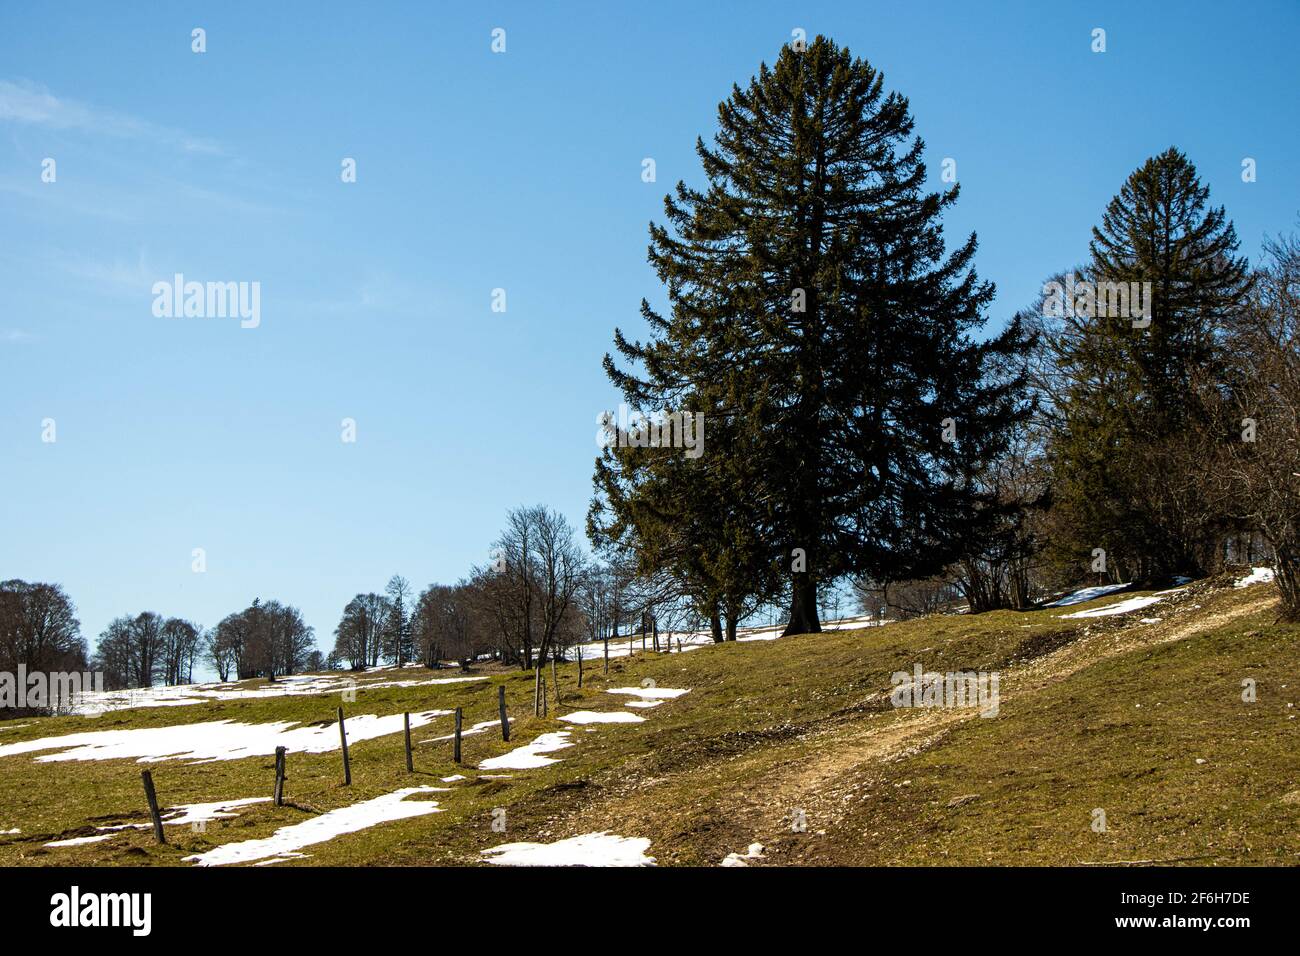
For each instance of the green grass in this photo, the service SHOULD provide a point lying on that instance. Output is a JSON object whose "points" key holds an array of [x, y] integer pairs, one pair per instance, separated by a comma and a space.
{"points": [[771, 728]]}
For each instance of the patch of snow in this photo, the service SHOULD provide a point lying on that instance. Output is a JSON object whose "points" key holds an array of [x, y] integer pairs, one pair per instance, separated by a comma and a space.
{"points": [[213, 740], [590, 849], [650, 693], [327, 826], [1122, 607], [602, 717], [78, 841], [94, 703], [643, 703], [14, 726], [453, 778], [755, 852], [10, 832], [203, 812], [1256, 576], [1087, 594], [530, 756]]}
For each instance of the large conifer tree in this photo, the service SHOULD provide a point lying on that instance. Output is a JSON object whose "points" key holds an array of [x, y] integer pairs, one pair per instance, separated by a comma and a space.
{"points": [[816, 312], [1128, 456]]}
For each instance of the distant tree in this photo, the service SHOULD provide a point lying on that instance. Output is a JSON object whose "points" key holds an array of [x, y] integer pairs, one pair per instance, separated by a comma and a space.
{"points": [[266, 639], [291, 638], [397, 635], [39, 628], [130, 650], [444, 624], [179, 643], [515, 565], [1131, 416], [495, 608], [224, 646], [560, 565], [1257, 469], [315, 662], [358, 638]]}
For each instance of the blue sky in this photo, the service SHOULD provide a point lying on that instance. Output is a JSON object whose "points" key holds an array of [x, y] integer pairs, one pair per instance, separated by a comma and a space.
{"points": [[475, 171]]}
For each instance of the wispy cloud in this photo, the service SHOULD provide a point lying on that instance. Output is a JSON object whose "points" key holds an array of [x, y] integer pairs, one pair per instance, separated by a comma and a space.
{"points": [[32, 104], [119, 275], [15, 336]]}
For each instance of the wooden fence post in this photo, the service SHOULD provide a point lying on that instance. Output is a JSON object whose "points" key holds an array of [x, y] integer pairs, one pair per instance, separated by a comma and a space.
{"points": [[455, 754], [501, 709], [606, 655], [153, 805], [579, 667], [544, 697], [279, 776], [406, 727], [537, 690], [347, 765]]}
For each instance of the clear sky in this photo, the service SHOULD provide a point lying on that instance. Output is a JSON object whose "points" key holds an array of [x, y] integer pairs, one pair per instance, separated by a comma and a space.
{"points": [[475, 170]]}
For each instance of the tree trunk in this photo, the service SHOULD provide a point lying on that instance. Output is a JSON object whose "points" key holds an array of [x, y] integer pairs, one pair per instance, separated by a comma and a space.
{"points": [[803, 606], [715, 624], [1287, 575]]}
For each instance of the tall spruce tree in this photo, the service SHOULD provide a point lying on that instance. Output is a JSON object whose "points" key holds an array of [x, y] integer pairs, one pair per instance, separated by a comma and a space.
{"points": [[1131, 415], [816, 312]]}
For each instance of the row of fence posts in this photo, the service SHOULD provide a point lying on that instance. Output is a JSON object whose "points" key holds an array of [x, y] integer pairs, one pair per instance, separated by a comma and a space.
{"points": [[539, 708]]}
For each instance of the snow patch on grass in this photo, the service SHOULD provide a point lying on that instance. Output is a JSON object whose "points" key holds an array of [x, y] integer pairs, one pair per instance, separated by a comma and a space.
{"points": [[1256, 576], [590, 849], [602, 717], [755, 852], [78, 841], [1122, 607], [1087, 594], [213, 740], [530, 756], [95, 703], [651, 693], [284, 843]]}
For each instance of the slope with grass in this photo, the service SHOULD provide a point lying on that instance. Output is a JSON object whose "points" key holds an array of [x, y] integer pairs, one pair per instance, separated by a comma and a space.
{"points": [[793, 744]]}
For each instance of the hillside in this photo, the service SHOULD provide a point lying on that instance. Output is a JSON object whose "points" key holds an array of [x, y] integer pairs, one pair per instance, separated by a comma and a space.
{"points": [[1140, 714]]}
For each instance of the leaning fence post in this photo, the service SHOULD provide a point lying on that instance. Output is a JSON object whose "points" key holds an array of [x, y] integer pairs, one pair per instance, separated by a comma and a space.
{"points": [[455, 754], [501, 709], [153, 805], [279, 776], [580, 666], [347, 765], [406, 727]]}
